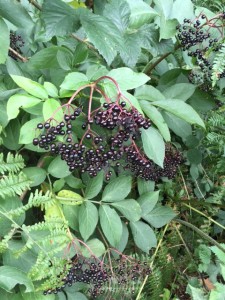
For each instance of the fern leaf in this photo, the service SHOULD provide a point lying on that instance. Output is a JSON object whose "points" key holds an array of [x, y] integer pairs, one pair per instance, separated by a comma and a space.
{"points": [[13, 163], [14, 184], [218, 65]]}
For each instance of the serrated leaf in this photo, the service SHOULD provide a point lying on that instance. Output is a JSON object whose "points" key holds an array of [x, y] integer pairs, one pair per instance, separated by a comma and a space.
{"points": [[35, 174], [94, 186], [182, 91], [156, 117], [111, 224], [27, 131], [148, 201], [31, 87], [144, 236], [129, 208], [88, 219], [153, 144], [11, 276], [73, 81], [122, 186], [52, 107], [4, 41], [96, 246], [148, 93], [103, 34], [127, 78], [130, 49], [181, 110], [160, 216], [51, 89], [58, 168], [17, 101], [124, 238]]}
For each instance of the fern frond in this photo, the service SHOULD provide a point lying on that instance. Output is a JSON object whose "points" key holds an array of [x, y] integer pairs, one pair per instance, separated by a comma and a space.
{"points": [[218, 65], [14, 184], [12, 164]]}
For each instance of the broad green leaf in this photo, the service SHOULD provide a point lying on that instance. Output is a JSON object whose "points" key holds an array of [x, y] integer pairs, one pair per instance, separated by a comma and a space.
{"points": [[194, 156], [76, 295], [218, 292], [17, 101], [35, 296], [74, 80], [148, 201], [127, 79], [187, 10], [88, 219], [15, 13], [181, 91], [31, 87], [74, 182], [132, 101], [65, 60], [71, 214], [167, 28], [51, 89], [28, 132], [177, 125], [129, 208], [80, 53], [11, 137], [10, 276], [219, 253], [58, 168], [145, 186], [60, 19], [46, 58], [103, 34], [124, 239], [156, 117], [94, 186], [164, 7], [122, 186], [181, 110], [35, 174], [197, 293], [153, 144], [52, 108], [148, 93], [96, 246], [160, 216], [141, 13], [4, 41], [111, 224], [144, 236]]}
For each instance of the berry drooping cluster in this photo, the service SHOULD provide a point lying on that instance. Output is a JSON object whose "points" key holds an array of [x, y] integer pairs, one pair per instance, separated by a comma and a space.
{"points": [[101, 278], [16, 42], [110, 138], [196, 37]]}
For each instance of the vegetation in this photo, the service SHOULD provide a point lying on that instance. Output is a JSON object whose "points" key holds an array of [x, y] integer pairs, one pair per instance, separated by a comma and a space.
{"points": [[112, 145]]}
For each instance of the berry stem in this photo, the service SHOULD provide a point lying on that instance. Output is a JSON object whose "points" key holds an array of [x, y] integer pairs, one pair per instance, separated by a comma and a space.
{"points": [[24, 59]]}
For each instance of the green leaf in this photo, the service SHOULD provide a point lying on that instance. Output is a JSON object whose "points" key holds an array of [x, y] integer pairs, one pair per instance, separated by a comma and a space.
{"points": [[194, 156], [177, 125], [129, 209], [133, 101], [94, 186], [88, 219], [111, 224], [187, 10], [4, 41], [128, 79], [122, 186], [148, 93], [156, 117], [74, 80], [31, 87], [148, 201], [181, 91], [145, 186], [10, 276], [160, 216], [197, 293], [103, 34], [12, 132], [27, 131], [167, 28], [153, 144], [141, 13], [71, 214], [124, 238], [52, 107], [17, 101], [80, 54], [96, 246], [46, 58], [35, 296], [144, 236], [181, 110], [51, 89], [15, 13], [35, 174], [58, 168], [218, 252], [60, 19]]}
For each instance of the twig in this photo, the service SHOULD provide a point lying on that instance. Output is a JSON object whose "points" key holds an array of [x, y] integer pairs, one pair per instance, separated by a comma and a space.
{"points": [[83, 41], [35, 4], [24, 59]]}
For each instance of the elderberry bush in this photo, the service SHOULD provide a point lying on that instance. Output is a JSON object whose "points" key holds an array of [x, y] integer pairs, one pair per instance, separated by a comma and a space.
{"points": [[16, 43], [119, 147], [121, 274]]}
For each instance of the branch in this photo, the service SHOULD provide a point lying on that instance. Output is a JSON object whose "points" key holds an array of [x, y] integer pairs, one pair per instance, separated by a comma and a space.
{"points": [[35, 4], [83, 41], [24, 59]]}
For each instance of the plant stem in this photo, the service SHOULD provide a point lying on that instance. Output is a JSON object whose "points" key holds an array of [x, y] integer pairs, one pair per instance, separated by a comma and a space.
{"points": [[151, 264], [24, 59], [35, 4]]}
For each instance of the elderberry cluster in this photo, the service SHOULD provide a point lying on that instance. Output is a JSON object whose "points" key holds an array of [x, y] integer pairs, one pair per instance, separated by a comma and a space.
{"points": [[101, 278], [195, 38], [16, 42], [116, 148]]}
